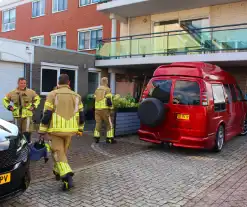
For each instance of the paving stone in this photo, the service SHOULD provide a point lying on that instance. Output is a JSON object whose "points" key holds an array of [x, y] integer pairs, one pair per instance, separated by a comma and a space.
{"points": [[138, 174]]}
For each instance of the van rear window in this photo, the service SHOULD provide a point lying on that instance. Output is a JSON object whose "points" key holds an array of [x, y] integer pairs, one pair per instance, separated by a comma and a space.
{"points": [[186, 93], [161, 89]]}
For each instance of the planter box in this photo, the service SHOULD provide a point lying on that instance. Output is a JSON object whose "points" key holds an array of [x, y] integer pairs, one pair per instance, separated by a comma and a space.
{"points": [[126, 121]]}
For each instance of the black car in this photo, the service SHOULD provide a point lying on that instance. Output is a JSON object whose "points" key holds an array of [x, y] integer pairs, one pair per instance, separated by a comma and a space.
{"points": [[14, 161]]}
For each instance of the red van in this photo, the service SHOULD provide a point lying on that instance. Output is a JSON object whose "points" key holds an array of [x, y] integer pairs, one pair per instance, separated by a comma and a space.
{"points": [[193, 105]]}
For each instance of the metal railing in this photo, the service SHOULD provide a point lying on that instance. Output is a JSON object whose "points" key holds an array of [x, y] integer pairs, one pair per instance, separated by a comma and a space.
{"points": [[195, 41]]}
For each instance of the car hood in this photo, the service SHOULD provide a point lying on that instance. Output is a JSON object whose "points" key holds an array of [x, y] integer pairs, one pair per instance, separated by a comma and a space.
{"points": [[7, 130]]}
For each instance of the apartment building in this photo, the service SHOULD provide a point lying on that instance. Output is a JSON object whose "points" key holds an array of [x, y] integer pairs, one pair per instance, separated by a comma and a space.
{"points": [[155, 32], [63, 24]]}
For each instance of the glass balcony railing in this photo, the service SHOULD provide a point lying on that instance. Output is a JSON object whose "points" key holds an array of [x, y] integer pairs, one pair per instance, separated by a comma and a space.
{"points": [[227, 38]]}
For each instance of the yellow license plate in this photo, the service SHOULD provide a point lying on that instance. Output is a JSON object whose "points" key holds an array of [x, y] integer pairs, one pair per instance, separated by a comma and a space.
{"points": [[5, 178], [183, 116]]}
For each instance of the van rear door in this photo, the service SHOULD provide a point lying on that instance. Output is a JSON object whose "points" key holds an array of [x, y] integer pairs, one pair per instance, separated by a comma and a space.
{"points": [[187, 115]]}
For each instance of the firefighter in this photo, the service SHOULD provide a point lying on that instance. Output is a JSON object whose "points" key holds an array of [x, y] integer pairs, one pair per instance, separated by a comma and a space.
{"points": [[103, 107], [63, 117], [25, 101]]}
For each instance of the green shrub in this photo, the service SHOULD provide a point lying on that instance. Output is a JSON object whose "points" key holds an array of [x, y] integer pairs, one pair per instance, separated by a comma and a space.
{"points": [[124, 102]]}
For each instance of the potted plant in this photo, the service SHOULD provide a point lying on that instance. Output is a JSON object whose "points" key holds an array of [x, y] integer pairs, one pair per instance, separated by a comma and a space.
{"points": [[125, 116]]}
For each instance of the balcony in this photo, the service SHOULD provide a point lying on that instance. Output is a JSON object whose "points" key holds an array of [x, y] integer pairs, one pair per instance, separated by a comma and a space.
{"points": [[134, 8], [221, 39]]}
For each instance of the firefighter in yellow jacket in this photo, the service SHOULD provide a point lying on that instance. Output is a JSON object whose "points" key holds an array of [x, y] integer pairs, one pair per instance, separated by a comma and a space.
{"points": [[25, 101], [63, 117], [103, 106]]}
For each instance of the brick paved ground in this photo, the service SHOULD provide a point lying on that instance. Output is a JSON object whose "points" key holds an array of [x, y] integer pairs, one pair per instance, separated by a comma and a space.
{"points": [[84, 152], [148, 176]]}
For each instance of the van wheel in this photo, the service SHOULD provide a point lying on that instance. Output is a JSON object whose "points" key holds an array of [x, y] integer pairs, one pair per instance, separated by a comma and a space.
{"points": [[244, 132], [220, 138]]}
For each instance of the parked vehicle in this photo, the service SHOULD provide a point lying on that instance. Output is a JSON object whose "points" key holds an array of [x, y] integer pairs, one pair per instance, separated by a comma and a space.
{"points": [[14, 161], [194, 105]]}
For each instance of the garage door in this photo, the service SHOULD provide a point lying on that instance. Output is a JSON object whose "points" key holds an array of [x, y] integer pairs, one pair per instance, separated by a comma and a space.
{"points": [[9, 74]]}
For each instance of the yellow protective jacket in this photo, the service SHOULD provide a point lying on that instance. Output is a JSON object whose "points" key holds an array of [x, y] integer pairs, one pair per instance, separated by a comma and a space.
{"points": [[23, 101], [103, 98], [63, 112]]}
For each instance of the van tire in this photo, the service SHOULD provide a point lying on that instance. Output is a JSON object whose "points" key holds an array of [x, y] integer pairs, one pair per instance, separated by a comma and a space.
{"points": [[151, 112], [244, 132], [220, 138]]}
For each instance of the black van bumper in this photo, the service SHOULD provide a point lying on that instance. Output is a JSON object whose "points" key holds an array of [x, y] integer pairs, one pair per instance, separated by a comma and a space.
{"points": [[20, 177]]}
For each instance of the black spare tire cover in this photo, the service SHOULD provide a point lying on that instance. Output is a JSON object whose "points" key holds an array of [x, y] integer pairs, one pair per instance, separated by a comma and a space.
{"points": [[151, 112]]}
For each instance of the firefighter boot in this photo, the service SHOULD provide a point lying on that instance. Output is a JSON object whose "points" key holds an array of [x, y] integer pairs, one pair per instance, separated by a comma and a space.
{"points": [[96, 139], [110, 141], [67, 182]]}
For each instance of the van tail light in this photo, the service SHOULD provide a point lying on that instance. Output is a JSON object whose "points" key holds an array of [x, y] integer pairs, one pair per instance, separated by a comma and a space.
{"points": [[204, 99]]}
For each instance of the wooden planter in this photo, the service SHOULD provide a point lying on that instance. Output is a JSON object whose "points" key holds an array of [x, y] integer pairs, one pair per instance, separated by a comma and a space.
{"points": [[126, 121]]}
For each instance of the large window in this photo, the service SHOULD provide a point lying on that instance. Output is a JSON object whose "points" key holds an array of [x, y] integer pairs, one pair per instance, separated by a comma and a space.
{"points": [[9, 20], [89, 39], [49, 77], [37, 40], [58, 40], [38, 8], [160, 89], [87, 2], [186, 93], [59, 5], [219, 97]]}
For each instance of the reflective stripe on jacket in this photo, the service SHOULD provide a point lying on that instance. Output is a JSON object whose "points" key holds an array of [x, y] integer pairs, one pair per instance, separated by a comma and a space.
{"points": [[23, 101], [63, 111], [101, 94]]}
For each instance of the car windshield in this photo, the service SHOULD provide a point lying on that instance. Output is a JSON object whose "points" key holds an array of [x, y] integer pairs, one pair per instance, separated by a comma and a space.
{"points": [[186, 93], [161, 89]]}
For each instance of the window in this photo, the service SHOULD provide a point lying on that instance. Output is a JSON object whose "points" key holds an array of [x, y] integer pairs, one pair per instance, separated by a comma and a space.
{"points": [[38, 40], [49, 77], [219, 97], [87, 2], [9, 20], [186, 93], [59, 5], [49, 80], [233, 93], [58, 41], [240, 95], [38, 8], [161, 89], [228, 93], [93, 81], [89, 39]]}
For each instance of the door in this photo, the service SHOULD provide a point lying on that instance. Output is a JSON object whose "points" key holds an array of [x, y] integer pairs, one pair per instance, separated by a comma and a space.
{"points": [[240, 108], [187, 115], [230, 110], [9, 73], [235, 121], [220, 112]]}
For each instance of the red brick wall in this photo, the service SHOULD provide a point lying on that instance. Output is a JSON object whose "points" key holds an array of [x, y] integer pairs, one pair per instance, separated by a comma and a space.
{"points": [[70, 21]]}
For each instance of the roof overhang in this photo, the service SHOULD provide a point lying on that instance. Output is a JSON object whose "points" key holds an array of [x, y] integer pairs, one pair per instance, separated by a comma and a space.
{"points": [[228, 58], [134, 8]]}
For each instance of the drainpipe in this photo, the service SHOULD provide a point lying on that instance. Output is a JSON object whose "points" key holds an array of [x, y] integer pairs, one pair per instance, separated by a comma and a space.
{"points": [[31, 72]]}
